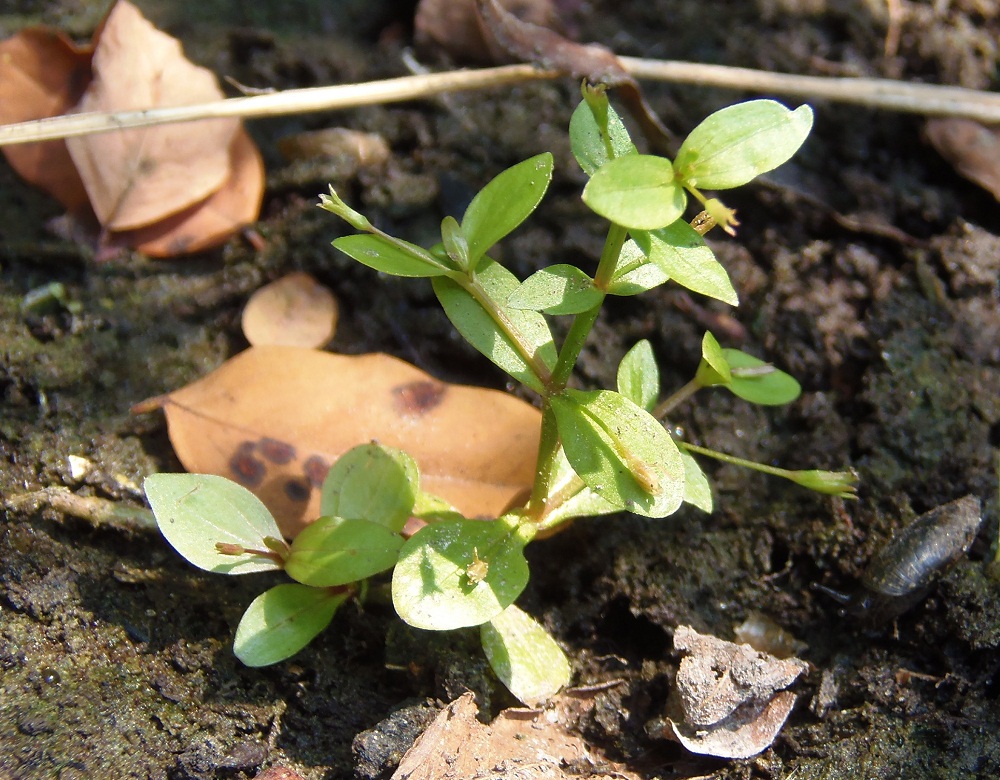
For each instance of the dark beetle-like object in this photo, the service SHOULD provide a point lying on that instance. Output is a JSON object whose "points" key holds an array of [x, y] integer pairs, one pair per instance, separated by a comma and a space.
{"points": [[900, 574]]}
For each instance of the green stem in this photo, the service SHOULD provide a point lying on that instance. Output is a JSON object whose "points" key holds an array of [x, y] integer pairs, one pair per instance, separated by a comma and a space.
{"points": [[584, 322], [471, 285], [548, 447], [750, 464], [671, 402]]}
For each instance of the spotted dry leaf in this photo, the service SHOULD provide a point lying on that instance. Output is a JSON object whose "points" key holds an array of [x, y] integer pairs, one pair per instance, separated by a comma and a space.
{"points": [[276, 418]]}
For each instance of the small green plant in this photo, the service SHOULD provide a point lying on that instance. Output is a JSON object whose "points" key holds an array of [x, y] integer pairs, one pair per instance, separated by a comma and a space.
{"points": [[601, 451]]}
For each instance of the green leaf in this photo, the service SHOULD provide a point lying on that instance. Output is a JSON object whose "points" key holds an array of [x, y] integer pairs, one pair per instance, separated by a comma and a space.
{"points": [[620, 451], [684, 256], [697, 490], [714, 368], [577, 499], [454, 242], [195, 511], [524, 656], [639, 376], [371, 482], [283, 620], [637, 191], [738, 143], [332, 551], [480, 326], [505, 203], [758, 382], [587, 135], [431, 508], [634, 273], [459, 573], [558, 289], [392, 255]]}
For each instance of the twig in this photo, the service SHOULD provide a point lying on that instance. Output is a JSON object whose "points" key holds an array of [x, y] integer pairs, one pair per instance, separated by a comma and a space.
{"points": [[928, 99], [97, 511]]}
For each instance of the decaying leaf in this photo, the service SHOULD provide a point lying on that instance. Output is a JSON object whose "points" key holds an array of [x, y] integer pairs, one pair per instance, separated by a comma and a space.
{"points": [[453, 26], [43, 74], [293, 311], [971, 148], [211, 221], [276, 418], [517, 744], [138, 177], [729, 700]]}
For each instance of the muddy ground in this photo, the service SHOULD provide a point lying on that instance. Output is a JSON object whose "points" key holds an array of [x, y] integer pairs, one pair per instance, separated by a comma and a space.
{"points": [[866, 267]]}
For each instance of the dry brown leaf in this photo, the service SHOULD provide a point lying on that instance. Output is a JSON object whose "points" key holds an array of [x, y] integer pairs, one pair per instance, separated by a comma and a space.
{"points": [[43, 74], [293, 311], [276, 418], [213, 220], [971, 148], [519, 744], [137, 177]]}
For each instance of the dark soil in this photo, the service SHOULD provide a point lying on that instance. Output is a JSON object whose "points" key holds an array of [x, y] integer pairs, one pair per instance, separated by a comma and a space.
{"points": [[115, 655]]}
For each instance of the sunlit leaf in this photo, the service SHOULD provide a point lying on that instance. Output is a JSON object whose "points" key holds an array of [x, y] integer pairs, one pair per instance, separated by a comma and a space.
{"points": [[634, 273], [374, 483], [738, 143], [636, 191], [714, 368], [620, 451], [576, 497], [481, 328], [684, 256], [196, 511], [283, 620], [557, 289], [587, 134], [697, 490], [758, 382], [460, 573], [391, 256], [524, 656], [333, 551], [639, 376], [454, 242], [505, 203]]}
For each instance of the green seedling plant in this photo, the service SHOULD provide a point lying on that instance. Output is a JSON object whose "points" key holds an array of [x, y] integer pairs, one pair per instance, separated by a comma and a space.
{"points": [[600, 451]]}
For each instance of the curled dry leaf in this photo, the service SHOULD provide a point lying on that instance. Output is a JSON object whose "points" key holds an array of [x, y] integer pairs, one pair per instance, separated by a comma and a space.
{"points": [[211, 221], [729, 699], [762, 633], [346, 151], [971, 148], [518, 743], [293, 311], [276, 418], [138, 177], [453, 26], [43, 74]]}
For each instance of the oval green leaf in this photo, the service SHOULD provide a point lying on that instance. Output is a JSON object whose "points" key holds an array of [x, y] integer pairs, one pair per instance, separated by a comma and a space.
{"points": [[772, 388], [453, 241], [391, 256], [459, 573], [639, 376], [332, 551], [505, 203], [558, 289], [636, 191], [589, 136], [283, 620], [525, 656], [372, 482], [714, 368], [684, 256], [621, 451], [488, 330], [634, 273], [196, 511], [738, 143], [697, 490]]}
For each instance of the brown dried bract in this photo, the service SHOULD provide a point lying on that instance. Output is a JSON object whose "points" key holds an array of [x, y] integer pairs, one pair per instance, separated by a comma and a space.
{"points": [[971, 148], [729, 699]]}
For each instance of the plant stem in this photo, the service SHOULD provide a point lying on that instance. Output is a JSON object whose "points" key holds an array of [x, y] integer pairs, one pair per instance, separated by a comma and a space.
{"points": [[750, 464], [671, 402], [584, 321], [548, 447]]}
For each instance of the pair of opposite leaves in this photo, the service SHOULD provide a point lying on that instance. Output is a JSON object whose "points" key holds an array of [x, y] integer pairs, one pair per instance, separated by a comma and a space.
{"points": [[164, 190]]}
